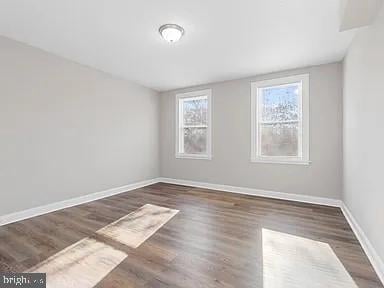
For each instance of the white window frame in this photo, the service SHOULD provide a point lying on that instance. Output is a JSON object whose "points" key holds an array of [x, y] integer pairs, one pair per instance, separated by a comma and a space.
{"points": [[303, 143], [179, 121]]}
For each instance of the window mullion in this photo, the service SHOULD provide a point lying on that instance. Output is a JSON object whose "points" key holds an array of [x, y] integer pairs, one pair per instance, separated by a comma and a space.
{"points": [[192, 126], [280, 98], [279, 122], [191, 107]]}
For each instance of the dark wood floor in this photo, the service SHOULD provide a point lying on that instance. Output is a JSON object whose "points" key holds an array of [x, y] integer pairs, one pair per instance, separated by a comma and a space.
{"points": [[214, 241]]}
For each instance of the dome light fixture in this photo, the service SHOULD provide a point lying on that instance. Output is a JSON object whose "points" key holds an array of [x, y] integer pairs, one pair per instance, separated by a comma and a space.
{"points": [[171, 32]]}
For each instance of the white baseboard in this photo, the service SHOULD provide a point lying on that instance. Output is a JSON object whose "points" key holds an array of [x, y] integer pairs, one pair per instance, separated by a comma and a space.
{"points": [[376, 261], [36, 211], [371, 253], [256, 192], [374, 258]]}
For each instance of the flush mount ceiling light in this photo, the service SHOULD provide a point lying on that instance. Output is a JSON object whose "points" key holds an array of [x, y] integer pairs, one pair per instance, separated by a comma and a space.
{"points": [[171, 32]]}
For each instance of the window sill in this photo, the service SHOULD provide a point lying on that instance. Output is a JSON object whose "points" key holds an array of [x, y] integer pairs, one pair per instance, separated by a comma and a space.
{"points": [[193, 156], [283, 162]]}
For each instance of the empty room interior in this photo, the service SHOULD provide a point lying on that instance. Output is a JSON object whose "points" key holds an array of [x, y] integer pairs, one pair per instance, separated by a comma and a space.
{"points": [[192, 143]]}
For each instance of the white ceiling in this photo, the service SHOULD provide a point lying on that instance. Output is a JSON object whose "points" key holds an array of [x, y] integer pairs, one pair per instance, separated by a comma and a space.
{"points": [[224, 39]]}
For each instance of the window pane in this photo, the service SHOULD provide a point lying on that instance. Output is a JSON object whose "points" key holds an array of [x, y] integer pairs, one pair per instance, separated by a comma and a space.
{"points": [[195, 111], [195, 140], [280, 103], [279, 139]]}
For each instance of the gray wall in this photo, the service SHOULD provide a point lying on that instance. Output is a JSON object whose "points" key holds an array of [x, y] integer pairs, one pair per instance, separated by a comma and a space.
{"points": [[364, 131], [67, 130], [231, 139]]}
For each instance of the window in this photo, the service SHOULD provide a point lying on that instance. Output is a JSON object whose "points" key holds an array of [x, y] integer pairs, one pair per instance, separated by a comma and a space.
{"points": [[193, 125], [280, 120]]}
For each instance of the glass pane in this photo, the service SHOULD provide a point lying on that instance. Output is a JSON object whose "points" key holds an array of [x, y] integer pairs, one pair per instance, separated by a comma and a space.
{"points": [[195, 111], [279, 139], [280, 103], [195, 140]]}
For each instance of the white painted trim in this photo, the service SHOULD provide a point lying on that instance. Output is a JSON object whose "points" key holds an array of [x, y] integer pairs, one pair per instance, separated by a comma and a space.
{"points": [[256, 192], [371, 253], [194, 156], [304, 130], [37, 211], [194, 94], [294, 162]]}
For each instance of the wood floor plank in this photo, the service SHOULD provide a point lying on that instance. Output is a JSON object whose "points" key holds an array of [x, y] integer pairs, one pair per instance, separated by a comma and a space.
{"points": [[133, 229], [216, 240]]}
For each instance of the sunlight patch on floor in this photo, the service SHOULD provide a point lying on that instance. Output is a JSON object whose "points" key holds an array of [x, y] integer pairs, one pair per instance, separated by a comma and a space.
{"points": [[88, 261], [294, 262], [80, 265], [133, 229]]}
